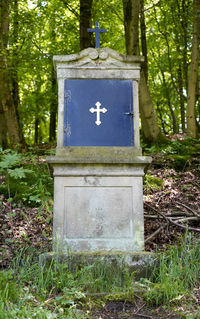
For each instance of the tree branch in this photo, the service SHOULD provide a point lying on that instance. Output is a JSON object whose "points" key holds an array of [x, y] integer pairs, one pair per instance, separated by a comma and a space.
{"points": [[155, 233], [188, 208], [153, 6]]}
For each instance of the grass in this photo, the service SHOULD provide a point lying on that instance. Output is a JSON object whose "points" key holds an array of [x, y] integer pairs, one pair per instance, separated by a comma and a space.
{"points": [[54, 291], [178, 274]]}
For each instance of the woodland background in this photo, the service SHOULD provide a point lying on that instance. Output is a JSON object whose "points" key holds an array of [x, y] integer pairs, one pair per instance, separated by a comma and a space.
{"points": [[166, 33]]}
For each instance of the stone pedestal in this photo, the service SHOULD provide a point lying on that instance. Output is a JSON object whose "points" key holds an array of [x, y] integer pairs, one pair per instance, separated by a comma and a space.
{"points": [[98, 200]]}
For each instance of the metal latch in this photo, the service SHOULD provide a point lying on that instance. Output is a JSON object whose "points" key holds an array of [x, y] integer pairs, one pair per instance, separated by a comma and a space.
{"points": [[129, 113]]}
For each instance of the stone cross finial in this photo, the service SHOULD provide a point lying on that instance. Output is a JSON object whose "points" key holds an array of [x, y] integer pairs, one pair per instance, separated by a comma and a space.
{"points": [[97, 31]]}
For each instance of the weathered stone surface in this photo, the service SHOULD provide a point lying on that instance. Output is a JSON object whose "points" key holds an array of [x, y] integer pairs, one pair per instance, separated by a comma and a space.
{"points": [[99, 155], [98, 207]]}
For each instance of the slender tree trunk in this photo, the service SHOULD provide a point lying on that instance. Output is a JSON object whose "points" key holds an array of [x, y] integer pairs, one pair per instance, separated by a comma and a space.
{"points": [[53, 108], [14, 73], [150, 128], [6, 98], [143, 40], [14, 68], [167, 95], [3, 129], [193, 76], [85, 23], [184, 21], [160, 114], [54, 101], [36, 130], [182, 98]]}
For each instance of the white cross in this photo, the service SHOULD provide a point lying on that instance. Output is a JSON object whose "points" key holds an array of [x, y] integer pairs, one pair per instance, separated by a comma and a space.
{"points": [[98, 111]]}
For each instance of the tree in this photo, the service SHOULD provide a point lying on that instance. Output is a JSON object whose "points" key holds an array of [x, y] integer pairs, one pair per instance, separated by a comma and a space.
{"points": [[85, 23], [150, 128], [193, 76], [6, 99]]}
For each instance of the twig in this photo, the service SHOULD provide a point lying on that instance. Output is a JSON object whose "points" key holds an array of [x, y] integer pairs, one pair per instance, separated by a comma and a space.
{"points": [[155, 210], [155, 233], [185, 227], [154, 5], [188, 208], [144, 316], [140, 309], [188, 219], [113, 10], [151, 216], [70, 9], [178, 214]]}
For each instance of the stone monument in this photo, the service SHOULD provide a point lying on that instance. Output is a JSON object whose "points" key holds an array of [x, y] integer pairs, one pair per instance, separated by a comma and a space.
{"points": [[98, 166]]}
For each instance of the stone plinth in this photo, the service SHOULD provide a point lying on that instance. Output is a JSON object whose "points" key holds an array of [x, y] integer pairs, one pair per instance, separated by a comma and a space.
{"points": [[98, 203]]}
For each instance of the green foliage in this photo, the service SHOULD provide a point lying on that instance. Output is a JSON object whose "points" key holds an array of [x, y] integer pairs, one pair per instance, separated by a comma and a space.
{"points": [[30, 183], [178, 153], [55, 291], [8, 287], [152, 183], [8, 163], [187, 146], [177, 274]]}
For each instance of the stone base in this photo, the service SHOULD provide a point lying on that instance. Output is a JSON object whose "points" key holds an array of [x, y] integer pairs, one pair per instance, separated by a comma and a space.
{"points": [[98, 206], [141, 263]]}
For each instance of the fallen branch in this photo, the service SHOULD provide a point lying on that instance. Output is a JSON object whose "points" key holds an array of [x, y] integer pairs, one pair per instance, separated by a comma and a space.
{"points": [[188, 208], [169, 218], [139, 309], [185, 227], [155, 233], [188, 219], [144, 316], [151, 216], [174, 214], [155, 210]]}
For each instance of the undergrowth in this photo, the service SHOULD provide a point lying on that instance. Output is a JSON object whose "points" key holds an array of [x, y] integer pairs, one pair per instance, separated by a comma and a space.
{"points": [[28, 290], [25, 179], [179, 154], [178, 273]]}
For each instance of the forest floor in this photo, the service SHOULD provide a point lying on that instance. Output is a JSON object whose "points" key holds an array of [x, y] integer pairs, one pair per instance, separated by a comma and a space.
{"points": [[170, 195]]}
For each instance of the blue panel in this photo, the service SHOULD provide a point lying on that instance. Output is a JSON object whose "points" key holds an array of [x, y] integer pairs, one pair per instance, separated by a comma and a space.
{"points": [[111, 99]]}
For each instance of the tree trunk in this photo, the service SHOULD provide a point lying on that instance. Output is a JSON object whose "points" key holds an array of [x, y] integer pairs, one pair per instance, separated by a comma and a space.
{"points": [[85, 23], [37, 122], [143, 40], [131, 22], [150, 128], [167, 95], [151, 131], [193, 76], [3, 129], [53, 108], [182, 98], [6, 98]]}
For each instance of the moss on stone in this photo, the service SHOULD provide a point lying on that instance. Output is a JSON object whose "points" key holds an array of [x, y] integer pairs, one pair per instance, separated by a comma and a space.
{"points": [[99, 155]]}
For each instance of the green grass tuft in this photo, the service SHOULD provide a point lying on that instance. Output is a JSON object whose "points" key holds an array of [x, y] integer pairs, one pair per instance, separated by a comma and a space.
{"points": [[178, 273]]}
